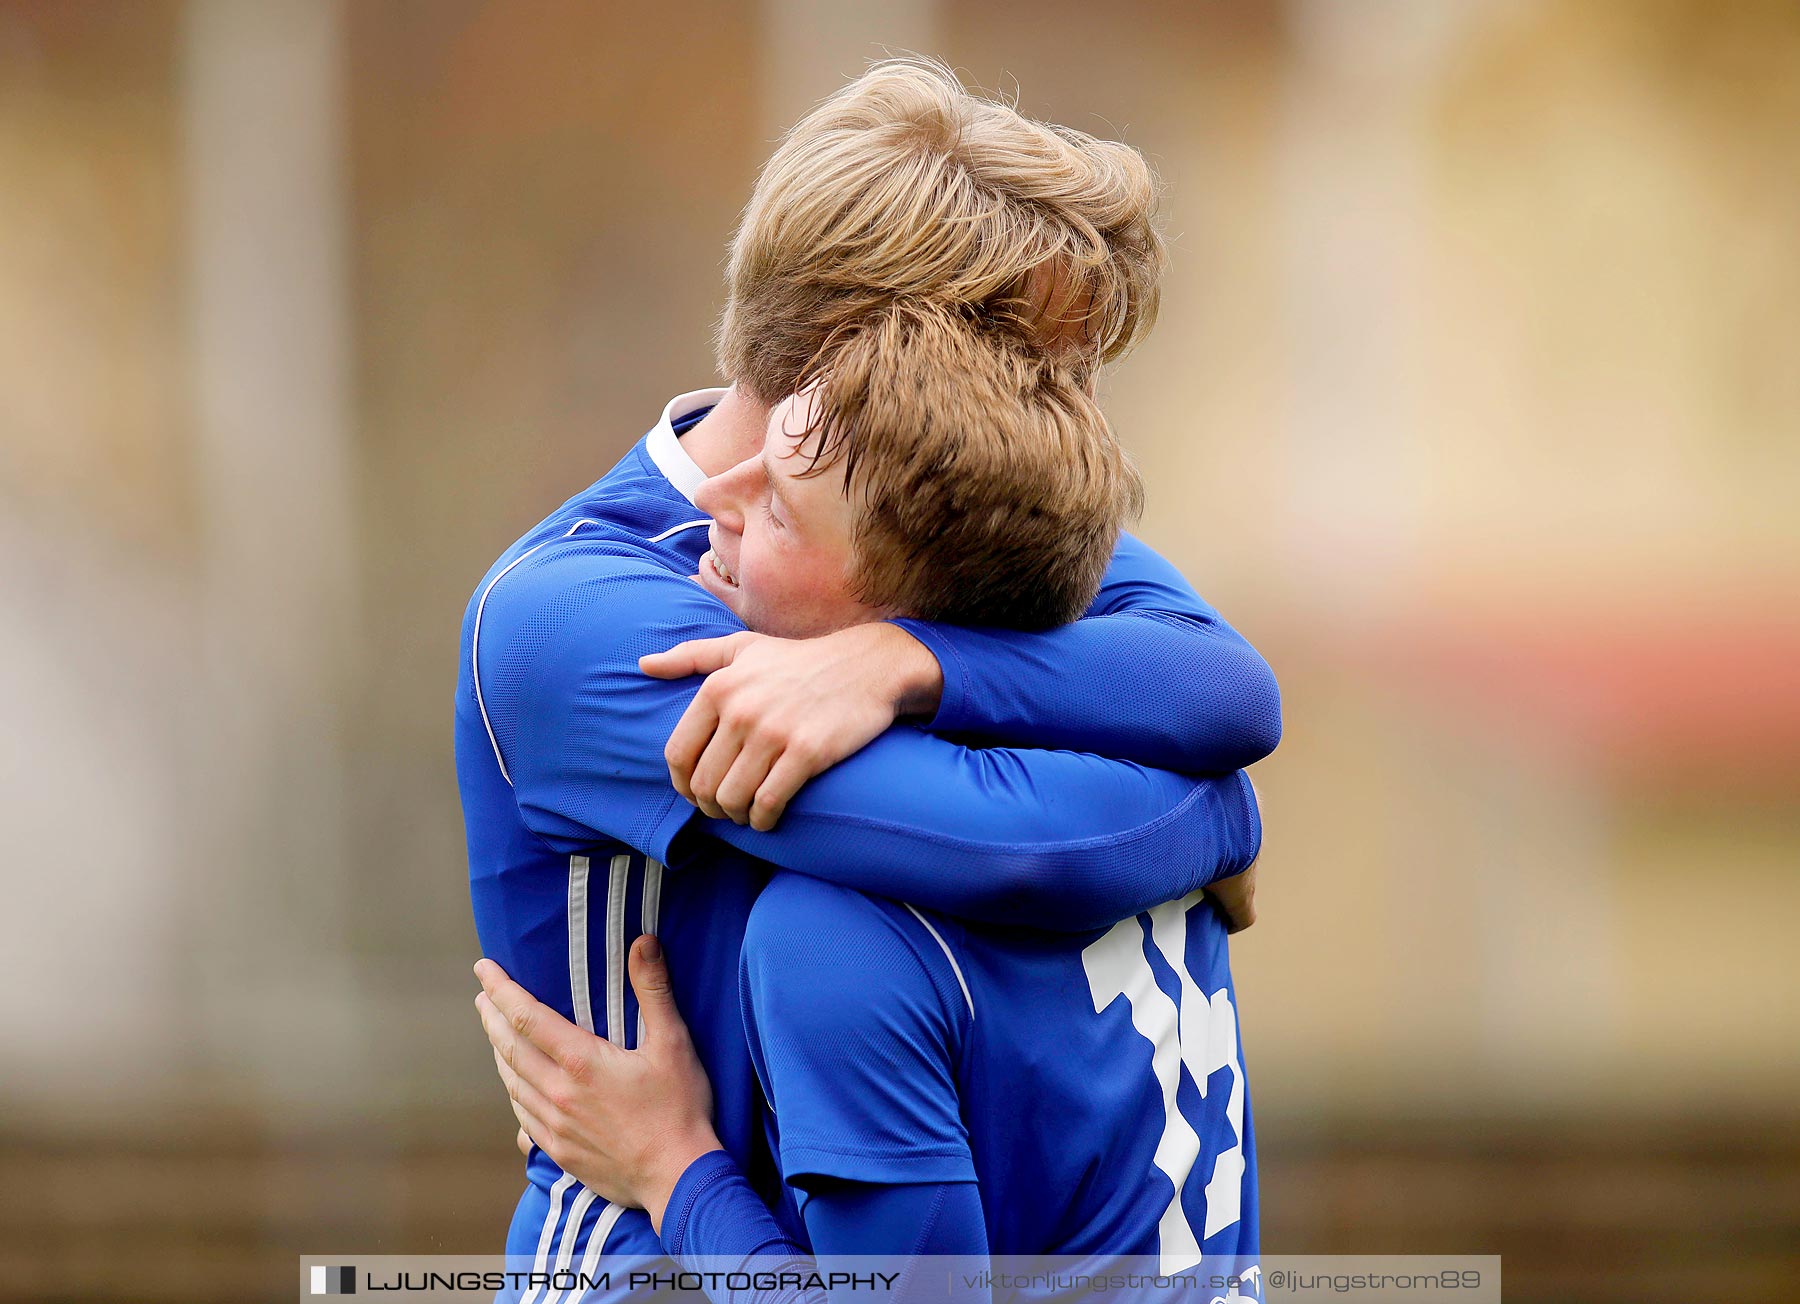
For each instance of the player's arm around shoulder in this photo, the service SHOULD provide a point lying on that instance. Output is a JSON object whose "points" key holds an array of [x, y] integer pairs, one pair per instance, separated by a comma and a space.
{"points": [[857, 1025], [1216, 706]]}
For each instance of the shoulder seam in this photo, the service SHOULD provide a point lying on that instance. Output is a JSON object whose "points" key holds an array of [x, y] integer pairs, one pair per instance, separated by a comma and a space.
{"points": [[944, 946], [475, 643]]}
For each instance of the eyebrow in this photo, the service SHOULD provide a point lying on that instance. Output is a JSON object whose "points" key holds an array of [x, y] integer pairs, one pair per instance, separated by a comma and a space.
{"points": [[769, 474]]}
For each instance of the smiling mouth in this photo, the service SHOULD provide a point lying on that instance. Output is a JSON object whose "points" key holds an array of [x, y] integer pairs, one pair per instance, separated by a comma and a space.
{"points": [[712, 562]]}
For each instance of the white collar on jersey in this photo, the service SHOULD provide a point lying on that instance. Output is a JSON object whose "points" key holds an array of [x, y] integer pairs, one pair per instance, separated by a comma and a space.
{"points": [[664, 445]]}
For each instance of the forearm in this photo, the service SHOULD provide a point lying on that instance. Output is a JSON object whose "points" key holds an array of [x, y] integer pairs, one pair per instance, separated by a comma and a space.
{"points": [[1161, 688], [1049, 839], [712, 1212], [1151, 674], [716, 1225]]}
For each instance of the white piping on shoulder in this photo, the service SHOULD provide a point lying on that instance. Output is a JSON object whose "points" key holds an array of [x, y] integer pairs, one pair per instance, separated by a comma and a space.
{"points": [[475, 642], [664, 447], [955, 968], [677, 529]]}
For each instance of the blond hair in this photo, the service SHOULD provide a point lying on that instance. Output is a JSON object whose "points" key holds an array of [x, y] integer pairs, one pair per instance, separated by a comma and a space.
{"points": [[986, 485], [904, 183]]}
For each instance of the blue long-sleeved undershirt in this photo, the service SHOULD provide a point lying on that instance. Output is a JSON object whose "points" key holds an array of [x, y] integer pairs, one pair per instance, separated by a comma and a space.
{"points": [[715, 1223], [1150, 674]]}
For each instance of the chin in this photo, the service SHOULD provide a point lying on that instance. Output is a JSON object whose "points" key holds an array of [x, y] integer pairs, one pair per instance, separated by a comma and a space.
{"points": [[803, 627], [764, 620], [775, 628], [724, 593], [746, 609]]}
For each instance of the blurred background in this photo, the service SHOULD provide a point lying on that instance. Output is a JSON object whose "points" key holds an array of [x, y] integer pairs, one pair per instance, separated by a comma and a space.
{"points": [[1475, 403]]}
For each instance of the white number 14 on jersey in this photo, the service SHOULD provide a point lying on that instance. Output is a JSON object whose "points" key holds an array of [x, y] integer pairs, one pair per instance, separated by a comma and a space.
{"points": [[1200, 1032]]}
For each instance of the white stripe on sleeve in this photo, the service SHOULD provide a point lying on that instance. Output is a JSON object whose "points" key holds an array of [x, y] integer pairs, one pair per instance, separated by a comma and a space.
{"points": [[579, 996], [542, 1260], [615, 949], [648, 912]]}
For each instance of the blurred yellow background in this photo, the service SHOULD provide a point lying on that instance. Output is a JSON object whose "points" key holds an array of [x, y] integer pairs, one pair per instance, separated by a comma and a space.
{"points": [[1475, 403]]}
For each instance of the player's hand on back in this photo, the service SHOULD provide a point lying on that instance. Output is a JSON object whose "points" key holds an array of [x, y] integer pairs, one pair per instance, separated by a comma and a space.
{"points": [[1236, 896], [626, 1123], [776, 712]]}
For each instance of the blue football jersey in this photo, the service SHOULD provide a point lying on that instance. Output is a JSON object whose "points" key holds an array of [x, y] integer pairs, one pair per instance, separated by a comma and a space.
{"points": [[577, 842], [1092, 1084]]}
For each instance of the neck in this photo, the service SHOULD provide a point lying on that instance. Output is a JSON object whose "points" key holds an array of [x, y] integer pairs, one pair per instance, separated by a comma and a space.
{"points": [[731, 432]]}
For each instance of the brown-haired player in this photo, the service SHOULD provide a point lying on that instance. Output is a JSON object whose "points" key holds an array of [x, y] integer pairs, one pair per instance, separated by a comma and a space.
{"points": [[566, 748], [957, 473]]}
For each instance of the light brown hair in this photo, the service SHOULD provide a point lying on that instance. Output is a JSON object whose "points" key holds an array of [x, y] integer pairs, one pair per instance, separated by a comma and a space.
{"points": [[904, 183], [986, 485]]}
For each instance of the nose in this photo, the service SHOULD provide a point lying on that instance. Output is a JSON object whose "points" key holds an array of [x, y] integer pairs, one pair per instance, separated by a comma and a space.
{"points": [[725, 495]]}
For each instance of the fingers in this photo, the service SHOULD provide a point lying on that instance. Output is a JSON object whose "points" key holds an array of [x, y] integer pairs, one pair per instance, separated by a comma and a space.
{"points": [[745, 778], [692, 734], [715, 761], [1236, 899], [526, 1094], [699, 656], [530, 1105], [786, 777], [525, 1021], [529, 1126], [514, 1055], [656, 997]]}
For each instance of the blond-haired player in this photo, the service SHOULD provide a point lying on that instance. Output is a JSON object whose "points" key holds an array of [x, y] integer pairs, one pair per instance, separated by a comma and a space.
{"points": [[903, 183]]}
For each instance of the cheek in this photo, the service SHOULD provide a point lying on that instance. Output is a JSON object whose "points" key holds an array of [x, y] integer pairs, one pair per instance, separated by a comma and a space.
{"points": [[794, 583], [768, 575]]}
